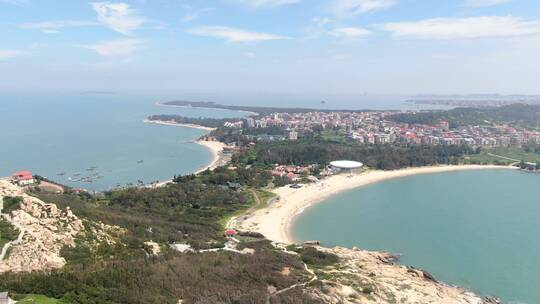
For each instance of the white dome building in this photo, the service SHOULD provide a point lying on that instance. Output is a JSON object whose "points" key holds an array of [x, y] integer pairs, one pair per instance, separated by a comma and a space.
{"points": [[346, 166]]}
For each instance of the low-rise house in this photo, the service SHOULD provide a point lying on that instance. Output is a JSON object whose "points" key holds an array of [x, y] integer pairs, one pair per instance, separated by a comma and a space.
{"points": [[230, 232], [23, 178]]}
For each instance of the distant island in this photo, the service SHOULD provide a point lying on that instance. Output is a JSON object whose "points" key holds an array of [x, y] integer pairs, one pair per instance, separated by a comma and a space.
{"points": [[474, 100]]}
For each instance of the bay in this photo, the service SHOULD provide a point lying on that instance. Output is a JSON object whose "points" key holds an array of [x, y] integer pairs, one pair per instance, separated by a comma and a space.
{"points": [[477, 229], [80, 135]]}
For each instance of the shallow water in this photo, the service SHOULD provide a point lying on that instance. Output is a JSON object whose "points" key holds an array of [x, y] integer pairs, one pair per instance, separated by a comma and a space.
{"points": [[72, 134], [477, 229]]}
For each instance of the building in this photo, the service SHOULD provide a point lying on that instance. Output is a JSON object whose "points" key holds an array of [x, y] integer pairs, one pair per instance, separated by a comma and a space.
{"points": [[293, 135], [23, 178], [346, 166], [250, 122], [4, 298], [230, 232]]}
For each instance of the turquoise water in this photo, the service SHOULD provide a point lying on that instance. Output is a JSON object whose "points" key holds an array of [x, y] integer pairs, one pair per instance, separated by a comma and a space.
{"points": [[477, 229], [70, 134]]}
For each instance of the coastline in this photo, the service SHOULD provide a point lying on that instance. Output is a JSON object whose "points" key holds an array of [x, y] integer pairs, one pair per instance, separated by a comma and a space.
{"points": [[274, 221], [215, 147], [218, 109], [175, 124], [218, 158]]}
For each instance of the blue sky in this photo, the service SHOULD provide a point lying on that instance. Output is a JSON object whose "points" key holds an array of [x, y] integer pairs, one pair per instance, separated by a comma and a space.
{"points": [[281, 46]]}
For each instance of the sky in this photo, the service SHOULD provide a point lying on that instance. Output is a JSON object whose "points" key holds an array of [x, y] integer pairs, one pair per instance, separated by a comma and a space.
{"points": [[279, 46]]}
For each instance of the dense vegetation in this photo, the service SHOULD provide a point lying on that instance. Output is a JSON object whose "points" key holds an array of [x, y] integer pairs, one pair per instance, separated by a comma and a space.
{"points": [[195, 278], [385, 157], [11, 203], [519, 115], [532, 148], [8, 233], [313, 257], [187, 212]]}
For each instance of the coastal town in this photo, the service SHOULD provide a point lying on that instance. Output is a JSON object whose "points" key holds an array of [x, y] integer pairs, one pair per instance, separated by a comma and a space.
{"points": [[379, 128]]}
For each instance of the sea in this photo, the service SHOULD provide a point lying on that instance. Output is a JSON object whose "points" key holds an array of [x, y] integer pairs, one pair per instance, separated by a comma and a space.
{"points": [[76, 138], [477, 229], [98, 141]]}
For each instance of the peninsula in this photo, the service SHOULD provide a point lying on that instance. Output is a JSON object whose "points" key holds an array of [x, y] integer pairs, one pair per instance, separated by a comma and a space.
{"points": [[223, 233]]}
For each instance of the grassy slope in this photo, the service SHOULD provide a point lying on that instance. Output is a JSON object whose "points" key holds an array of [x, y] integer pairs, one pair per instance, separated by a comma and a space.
{"points": [[8, 233], [37, 299], [488, 155]]}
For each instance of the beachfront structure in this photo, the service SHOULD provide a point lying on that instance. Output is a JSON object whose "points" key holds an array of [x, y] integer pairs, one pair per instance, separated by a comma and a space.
{"points": [[23, 178], [346, 166], [4, 298]]}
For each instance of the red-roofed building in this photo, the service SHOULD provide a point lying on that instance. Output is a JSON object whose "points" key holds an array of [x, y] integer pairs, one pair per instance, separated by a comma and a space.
{"points": [[23, 178], [230, 232]]}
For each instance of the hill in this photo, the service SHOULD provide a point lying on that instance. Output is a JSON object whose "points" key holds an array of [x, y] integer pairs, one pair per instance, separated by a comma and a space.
{"points": [[518, 115]]}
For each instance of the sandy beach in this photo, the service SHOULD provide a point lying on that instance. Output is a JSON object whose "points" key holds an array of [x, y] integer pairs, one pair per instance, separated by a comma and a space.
{"points": [[275, 220], [218, 158], [215, 147], [175, 124]]}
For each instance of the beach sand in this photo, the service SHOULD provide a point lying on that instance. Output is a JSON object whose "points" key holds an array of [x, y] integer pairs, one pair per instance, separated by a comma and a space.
{"points": [[175, 124], [274, 221], [218, 158], [215, 147]]}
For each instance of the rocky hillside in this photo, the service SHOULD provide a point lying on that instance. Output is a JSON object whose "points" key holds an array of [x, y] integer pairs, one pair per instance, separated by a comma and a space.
{"points": [[371, 277], [44, 231]]}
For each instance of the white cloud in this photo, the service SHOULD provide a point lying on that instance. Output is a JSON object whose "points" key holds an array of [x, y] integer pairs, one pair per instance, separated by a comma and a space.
{"points": [[231, 34], [480, 3], [118, 16], [350, 32], [52, 27], [8, 54], [464, 28], [267, 3], [15, 2], [121, 47], [195, 13], [348, 8]]}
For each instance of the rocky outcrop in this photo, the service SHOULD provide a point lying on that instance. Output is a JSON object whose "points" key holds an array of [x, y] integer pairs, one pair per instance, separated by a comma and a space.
{"points": [[372, 277], [46, 229]]}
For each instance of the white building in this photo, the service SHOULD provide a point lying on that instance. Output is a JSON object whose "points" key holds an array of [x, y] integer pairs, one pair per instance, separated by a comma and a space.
{"points": [[23, 178], [346, 166], [293, 135]]}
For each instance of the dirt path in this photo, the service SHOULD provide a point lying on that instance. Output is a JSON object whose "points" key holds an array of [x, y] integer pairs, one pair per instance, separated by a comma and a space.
{"points": [[19, 238]]}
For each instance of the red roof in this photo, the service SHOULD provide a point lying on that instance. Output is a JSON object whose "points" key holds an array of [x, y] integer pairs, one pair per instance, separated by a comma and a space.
{"points": [[23, 175], [231, 232]]}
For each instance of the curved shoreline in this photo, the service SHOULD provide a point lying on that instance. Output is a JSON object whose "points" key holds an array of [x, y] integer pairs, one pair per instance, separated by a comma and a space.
{"points": [[218, 109], [274, 221], [175, 124], [215, 147]]}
